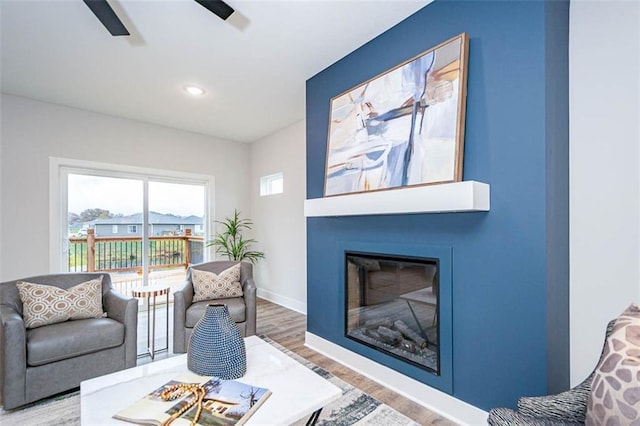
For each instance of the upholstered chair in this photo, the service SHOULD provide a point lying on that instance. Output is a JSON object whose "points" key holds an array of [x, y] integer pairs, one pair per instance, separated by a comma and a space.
{"points": [[186, 312], [566, 408], [45, 360]]}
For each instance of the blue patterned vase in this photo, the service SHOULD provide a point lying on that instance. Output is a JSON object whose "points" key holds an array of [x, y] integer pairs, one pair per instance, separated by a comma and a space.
{"points": [[216, 347]]}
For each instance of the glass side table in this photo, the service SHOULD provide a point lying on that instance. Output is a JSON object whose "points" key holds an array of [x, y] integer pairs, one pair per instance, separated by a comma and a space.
{"points": [[150, 293]]}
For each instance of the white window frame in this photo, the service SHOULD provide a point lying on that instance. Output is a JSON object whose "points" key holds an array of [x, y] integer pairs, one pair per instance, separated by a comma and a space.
{"points": [[59, 168], [268, 183], [114, 229], [132, 229]]}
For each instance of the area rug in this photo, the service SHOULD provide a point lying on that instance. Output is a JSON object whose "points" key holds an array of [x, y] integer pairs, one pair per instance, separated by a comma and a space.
{"points": [[59, 410], [353, 408]]}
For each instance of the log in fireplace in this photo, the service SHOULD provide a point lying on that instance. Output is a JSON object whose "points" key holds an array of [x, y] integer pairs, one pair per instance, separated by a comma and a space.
{"points": [[392, 306]]}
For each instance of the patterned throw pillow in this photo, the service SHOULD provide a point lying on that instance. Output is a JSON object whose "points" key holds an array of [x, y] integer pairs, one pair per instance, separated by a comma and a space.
{"points": [[615, 390], [207, 285], [46, 304]]}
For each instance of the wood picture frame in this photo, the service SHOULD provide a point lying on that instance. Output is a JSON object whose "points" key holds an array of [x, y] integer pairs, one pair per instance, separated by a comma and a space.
{"points": [[403, 127]]}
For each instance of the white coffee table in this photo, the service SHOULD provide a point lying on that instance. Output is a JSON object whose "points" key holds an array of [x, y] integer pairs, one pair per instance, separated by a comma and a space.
{"points": [[297, 392]]}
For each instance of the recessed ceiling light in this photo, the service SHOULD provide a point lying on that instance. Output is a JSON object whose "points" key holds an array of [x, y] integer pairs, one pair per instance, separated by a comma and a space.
{"points": [[194, 90]]}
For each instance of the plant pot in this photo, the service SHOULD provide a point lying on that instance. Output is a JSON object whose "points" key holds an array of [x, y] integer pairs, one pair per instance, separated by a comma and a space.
{"points": [[216, 347]]}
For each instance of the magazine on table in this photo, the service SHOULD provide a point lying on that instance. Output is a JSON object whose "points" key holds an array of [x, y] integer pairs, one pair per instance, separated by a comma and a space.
{"points": [[226, 402]]}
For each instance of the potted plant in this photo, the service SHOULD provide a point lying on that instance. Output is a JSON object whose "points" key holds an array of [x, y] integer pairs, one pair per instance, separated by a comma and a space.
{"points": [[231, 243]]}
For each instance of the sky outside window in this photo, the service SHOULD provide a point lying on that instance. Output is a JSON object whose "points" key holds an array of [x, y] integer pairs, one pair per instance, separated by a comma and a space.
{"points": [[124, 196]]}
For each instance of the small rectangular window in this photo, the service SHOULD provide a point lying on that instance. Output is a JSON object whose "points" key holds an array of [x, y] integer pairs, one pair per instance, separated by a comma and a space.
{"points": [[133, 229], [272, 184], [114, 229]]}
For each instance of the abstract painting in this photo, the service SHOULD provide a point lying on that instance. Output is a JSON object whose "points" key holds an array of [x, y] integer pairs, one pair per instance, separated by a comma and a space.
{"points": [[402, 128]]}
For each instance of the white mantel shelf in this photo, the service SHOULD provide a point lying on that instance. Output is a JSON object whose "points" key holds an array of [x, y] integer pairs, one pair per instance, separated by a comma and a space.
{"points": [[467, 196]]}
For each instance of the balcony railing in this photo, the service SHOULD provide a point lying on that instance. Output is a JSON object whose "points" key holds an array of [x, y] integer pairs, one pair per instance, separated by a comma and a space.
{"points": [[122, 254]]}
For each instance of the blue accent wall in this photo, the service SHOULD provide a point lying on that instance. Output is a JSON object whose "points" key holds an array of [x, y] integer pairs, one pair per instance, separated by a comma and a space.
{"points": [[509, 265], [557, 136]]}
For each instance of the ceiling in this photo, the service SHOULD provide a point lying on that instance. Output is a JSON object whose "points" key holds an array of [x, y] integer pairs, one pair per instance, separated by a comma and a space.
{"points": [[253, 66]]}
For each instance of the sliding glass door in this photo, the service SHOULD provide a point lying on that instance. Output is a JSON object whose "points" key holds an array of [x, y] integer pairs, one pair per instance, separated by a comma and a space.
{"points": [[176, 230], [140, 229]]}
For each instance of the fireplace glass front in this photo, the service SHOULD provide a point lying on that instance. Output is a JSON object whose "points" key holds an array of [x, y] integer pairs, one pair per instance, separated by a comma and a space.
{"points": [[392, 306]]}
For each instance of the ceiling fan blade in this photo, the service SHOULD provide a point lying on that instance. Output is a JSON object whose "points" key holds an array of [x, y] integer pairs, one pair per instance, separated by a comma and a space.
{"points": [[107, 16], [220, 8]]}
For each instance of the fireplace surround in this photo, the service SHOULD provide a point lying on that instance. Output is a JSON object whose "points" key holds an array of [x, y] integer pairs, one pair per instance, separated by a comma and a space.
{"points": [[381, 298]]}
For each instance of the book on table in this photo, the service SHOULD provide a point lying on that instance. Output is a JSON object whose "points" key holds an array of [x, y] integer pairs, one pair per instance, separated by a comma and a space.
{"points": [[226, 402]]}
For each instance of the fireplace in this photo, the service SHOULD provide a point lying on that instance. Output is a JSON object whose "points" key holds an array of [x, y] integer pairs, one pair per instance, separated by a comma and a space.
{"points": [[388, 287], [392, 306]]}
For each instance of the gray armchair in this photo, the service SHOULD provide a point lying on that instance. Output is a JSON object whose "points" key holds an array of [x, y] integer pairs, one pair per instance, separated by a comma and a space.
{"points": [[563, 409], [186, 313], [40, 362]]}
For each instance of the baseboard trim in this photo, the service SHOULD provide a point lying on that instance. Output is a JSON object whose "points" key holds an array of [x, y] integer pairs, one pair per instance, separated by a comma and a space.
{"points": [[281, 300], [439, 402]]}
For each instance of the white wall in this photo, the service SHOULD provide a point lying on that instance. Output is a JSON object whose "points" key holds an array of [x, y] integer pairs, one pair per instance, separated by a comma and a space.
{"points": [[280, 225], [1, 239], [604, 54], [32, 131]]}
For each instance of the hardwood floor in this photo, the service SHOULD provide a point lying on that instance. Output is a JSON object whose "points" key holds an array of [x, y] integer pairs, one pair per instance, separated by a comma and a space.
{"points": [[288, 328]]}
